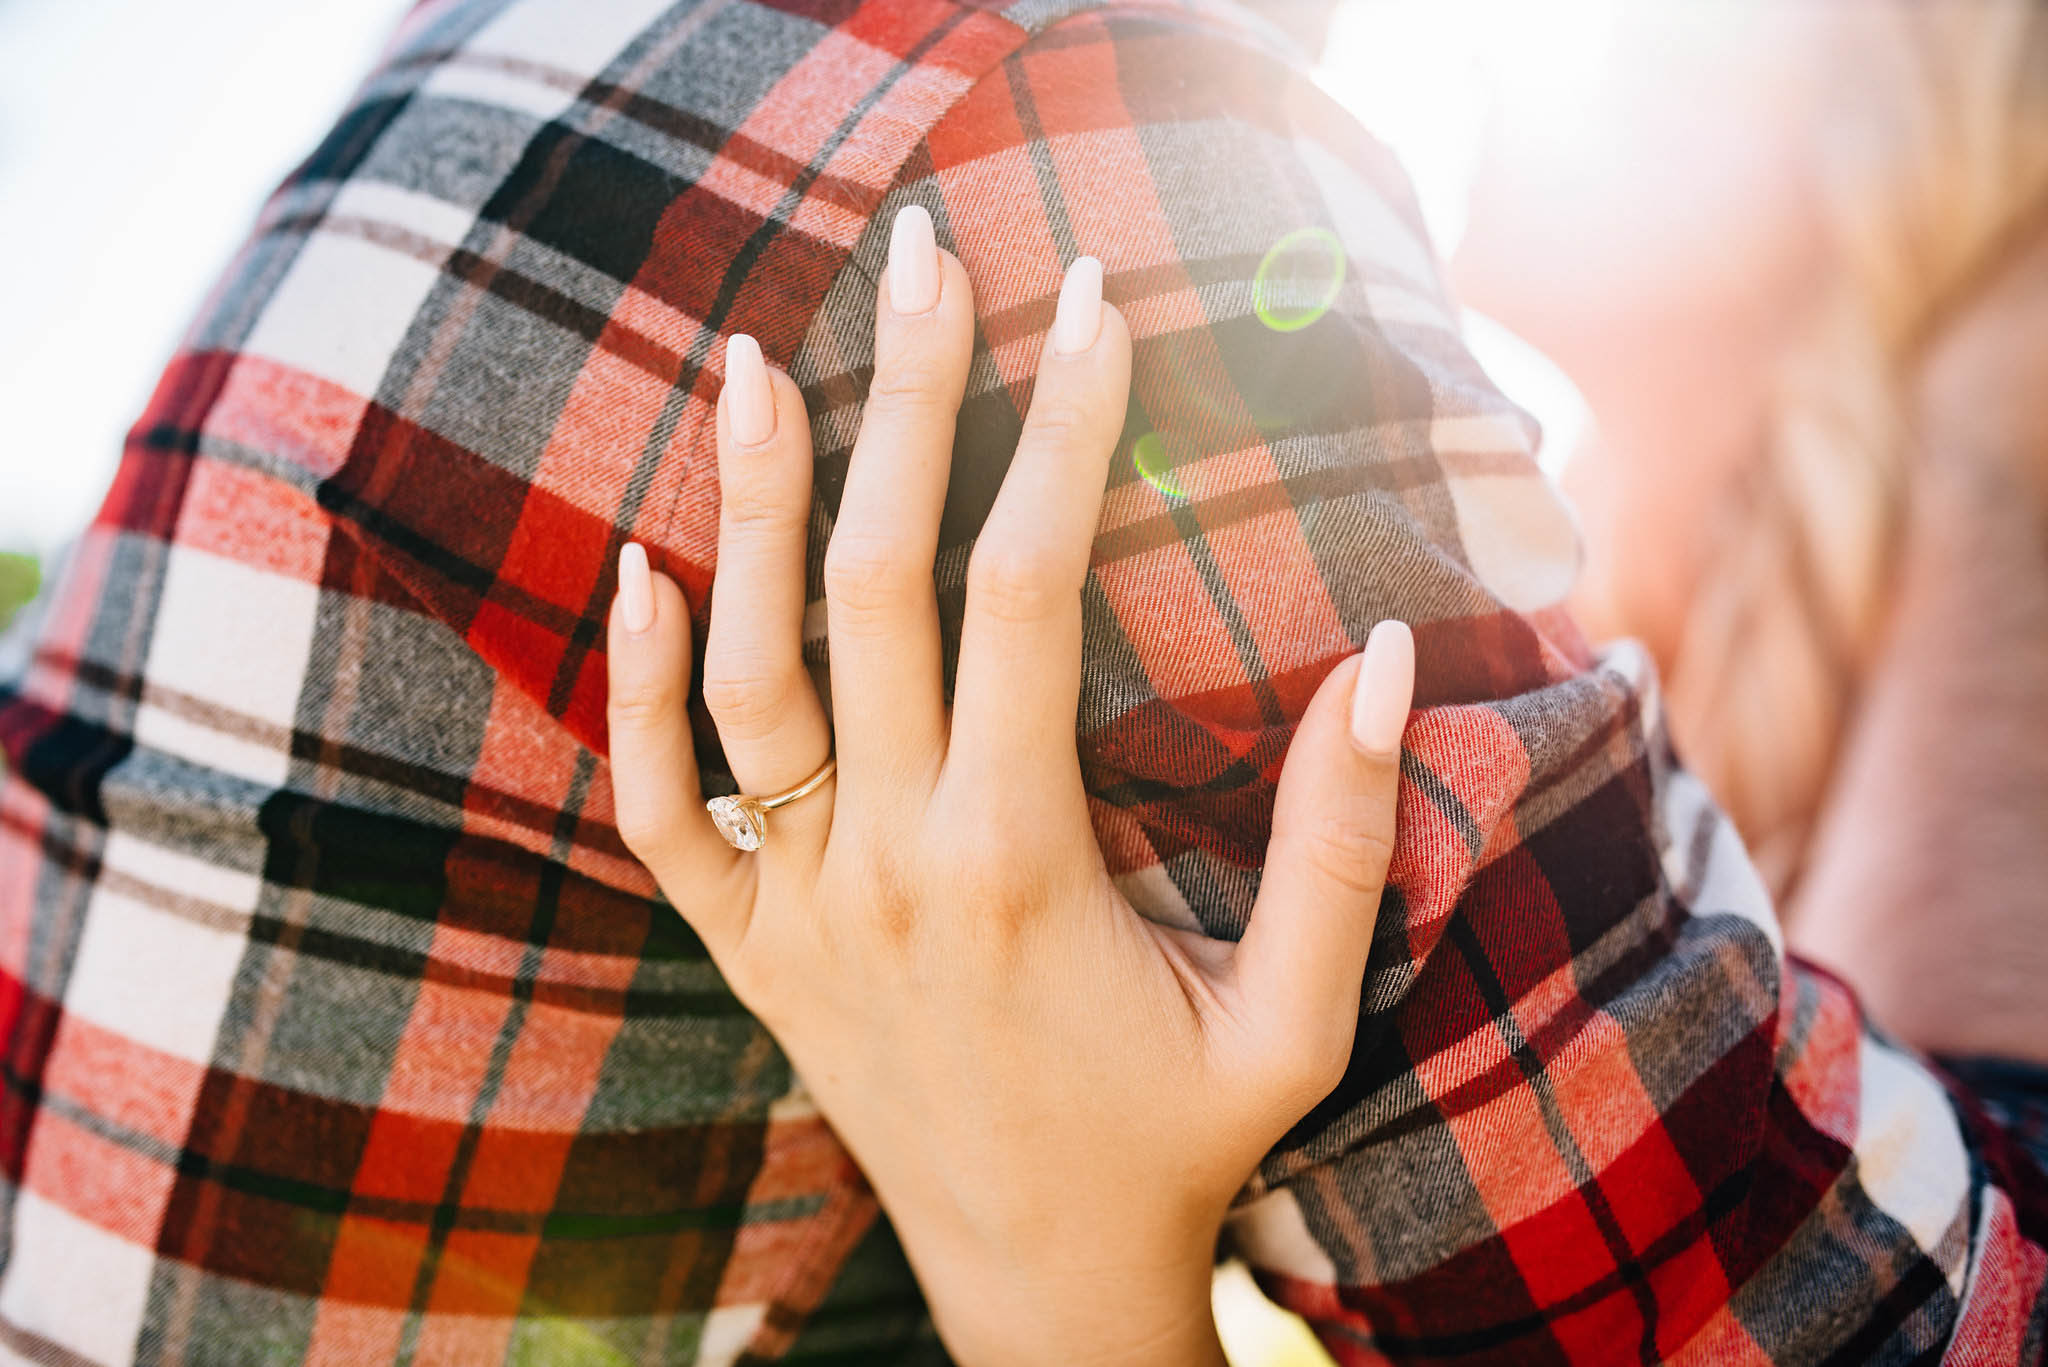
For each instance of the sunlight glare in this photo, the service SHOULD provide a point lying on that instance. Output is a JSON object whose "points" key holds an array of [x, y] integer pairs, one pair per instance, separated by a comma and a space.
{"points": [[1427, 75]]}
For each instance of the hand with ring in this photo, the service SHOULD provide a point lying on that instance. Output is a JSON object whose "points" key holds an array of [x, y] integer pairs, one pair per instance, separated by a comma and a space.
{"points": [[1054, 1098]]}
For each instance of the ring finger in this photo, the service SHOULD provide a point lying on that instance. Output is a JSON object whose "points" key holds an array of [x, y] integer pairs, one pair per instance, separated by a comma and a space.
{"points": [[769, 718]]}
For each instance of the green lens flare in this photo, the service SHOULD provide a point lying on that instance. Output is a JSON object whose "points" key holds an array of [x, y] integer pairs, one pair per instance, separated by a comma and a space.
{"points": [[20, 578], [1152, 460], [1299, 279]]}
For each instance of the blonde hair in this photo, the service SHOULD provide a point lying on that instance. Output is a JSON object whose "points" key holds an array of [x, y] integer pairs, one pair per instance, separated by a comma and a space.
{"points": [[1934, 157]]}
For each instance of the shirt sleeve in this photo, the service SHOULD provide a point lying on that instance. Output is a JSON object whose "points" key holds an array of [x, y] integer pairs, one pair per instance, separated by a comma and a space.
{"points": [[1594, 1112]]}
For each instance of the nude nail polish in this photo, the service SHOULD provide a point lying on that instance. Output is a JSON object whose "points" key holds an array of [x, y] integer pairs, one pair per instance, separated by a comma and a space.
{"points": [[1077, 322], [749, 398], [1384, 690], [636, 589], [913, 262]]}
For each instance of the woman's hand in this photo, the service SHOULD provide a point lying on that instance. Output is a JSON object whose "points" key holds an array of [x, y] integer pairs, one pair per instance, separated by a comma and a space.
{"points": [[1054, 1098]]}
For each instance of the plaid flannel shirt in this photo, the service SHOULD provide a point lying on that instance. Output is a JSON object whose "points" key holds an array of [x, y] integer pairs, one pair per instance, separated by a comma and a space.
{"points": [[339, 1025]]}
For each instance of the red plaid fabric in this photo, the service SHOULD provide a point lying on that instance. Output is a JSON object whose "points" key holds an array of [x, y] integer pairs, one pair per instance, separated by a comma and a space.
{"points": [[339, 1026]]}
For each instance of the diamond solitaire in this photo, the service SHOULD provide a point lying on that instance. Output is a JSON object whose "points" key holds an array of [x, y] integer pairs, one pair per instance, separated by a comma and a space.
{"points": [[739, 820], [743, 820]]}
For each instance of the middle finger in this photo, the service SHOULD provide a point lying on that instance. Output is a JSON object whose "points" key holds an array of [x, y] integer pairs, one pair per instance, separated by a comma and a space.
{"points": [[882, 615]]}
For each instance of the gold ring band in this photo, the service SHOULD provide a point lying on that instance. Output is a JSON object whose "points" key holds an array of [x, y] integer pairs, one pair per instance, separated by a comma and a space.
{"points": [[743, 819], [804, 789]]}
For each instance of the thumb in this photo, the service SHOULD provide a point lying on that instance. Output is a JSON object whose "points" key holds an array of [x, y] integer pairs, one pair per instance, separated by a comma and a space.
{"points": [[1302, 960]]}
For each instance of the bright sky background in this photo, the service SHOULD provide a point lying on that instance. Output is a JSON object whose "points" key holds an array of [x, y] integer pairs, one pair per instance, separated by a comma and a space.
{"points": [[138, 139], [1427, 76]]}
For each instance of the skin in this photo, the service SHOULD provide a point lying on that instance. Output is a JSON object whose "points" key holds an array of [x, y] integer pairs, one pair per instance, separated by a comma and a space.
{"points": [[1055, 1099]]}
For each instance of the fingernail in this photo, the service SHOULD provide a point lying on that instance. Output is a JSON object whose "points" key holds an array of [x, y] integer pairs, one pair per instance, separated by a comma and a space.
{"points": [[636, 588], [1385, 688], [749, 399], [913, 261], [1078, 319]]}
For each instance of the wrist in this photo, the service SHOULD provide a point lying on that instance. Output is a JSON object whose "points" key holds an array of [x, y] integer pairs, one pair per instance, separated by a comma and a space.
{"points": [[1131, 1312]]}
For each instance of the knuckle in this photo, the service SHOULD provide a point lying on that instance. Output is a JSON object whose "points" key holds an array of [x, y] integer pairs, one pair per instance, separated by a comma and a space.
{"points": [[908, 392], [1011, 881], [893, 916], [753, 504], [999, 945], [1348, 845], [747, 698], [1061, 419], [867, 577], [1018, 585], [641, 704]]}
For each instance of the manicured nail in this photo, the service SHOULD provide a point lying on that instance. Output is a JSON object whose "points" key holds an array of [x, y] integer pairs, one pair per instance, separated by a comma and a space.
{"points": [[1078, 319], [749, 399], [1385, 688], [636, 588], [913, 261]]}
